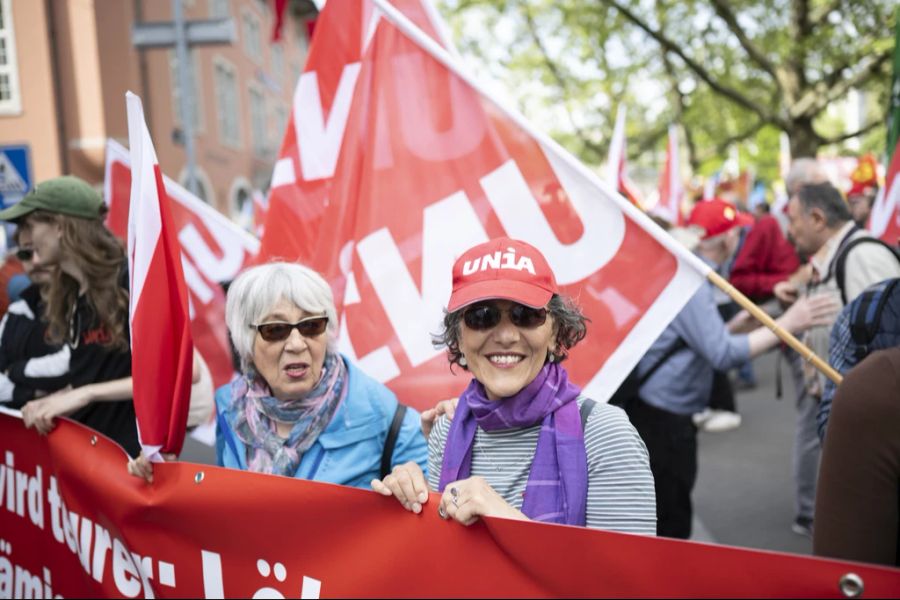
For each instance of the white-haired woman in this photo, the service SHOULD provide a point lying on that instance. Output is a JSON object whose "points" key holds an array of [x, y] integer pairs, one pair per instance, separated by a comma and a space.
{"points": [[299, 408]]}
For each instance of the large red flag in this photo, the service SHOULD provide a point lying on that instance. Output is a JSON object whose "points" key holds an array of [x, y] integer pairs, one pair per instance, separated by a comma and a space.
{"points": [[161, 345], [430, 166], [303, 174]]}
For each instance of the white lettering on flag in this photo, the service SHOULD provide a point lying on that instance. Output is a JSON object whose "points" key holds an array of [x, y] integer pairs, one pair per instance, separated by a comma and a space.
{"points": [[419, 133], [320, 141], [450, 227], [518, 211]]}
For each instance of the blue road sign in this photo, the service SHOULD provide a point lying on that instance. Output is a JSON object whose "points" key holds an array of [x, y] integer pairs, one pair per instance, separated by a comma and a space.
{"points": [[15, 174]]}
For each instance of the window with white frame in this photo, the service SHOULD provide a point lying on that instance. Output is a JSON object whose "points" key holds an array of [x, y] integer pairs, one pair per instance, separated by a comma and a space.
{"points": [[227, 108], [252, 40], [301, 32], [258, 121], [10, 98], [277, 53], [219, 9], [205, 190], [197, 103]]}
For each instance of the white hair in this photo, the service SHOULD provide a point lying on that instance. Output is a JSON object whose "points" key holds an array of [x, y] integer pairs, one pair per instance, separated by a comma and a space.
{"points": [[257, 290], [804, 171]]}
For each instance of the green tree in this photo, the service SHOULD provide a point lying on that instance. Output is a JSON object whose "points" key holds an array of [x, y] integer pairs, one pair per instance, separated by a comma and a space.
{"points": [[729, 71]]}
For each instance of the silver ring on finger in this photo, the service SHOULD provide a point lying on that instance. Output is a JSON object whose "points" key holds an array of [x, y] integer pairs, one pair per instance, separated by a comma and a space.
{"points": [[441, 512], [454, 496]]}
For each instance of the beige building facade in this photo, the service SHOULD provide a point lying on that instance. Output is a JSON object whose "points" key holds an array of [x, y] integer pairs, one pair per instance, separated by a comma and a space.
{"points": [[65, 66]]}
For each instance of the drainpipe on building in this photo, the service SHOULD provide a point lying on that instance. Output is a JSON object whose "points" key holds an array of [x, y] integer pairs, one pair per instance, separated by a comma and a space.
{"points": [[57, 90], [143, 69]]}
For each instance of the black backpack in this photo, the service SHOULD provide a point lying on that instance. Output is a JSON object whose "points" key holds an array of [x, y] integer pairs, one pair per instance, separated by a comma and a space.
{"points": [[870, 322], [629, 390]]}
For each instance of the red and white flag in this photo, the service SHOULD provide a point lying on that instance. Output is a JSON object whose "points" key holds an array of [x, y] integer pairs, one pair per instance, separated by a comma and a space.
{"points": [[671, 189], [884, 221], [430, 166], [213, 251], [161, 345], [302, 177], [617, 162]]}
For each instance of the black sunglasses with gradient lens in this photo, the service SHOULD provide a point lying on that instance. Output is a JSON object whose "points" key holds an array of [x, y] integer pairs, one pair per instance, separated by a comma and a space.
{"points": [[278, 331], [25, 254], [486, 315]]}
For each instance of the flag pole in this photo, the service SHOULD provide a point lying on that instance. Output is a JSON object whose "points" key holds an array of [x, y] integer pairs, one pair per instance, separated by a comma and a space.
{"points": [[783, 334]]}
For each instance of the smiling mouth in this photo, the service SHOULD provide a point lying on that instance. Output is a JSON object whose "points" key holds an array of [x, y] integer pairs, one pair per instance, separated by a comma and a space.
{"points": [[505, 361]]}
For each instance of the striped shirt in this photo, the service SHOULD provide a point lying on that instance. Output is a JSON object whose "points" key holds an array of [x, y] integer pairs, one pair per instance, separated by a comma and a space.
{"points": [[620, 495]]}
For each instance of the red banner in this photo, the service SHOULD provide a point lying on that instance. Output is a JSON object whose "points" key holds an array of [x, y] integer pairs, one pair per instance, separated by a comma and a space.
{"points": [[213, 249], [74, 523]]}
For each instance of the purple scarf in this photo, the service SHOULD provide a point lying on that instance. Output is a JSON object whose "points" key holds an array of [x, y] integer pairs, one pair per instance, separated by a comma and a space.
{"points": [[556, 491]]}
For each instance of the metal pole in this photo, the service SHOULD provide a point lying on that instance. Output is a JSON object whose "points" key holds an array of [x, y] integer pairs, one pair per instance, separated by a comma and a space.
{"points": [[187, 95]]}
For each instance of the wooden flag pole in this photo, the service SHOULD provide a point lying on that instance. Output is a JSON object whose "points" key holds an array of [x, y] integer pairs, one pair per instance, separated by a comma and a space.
{"points": [[784, 335]]}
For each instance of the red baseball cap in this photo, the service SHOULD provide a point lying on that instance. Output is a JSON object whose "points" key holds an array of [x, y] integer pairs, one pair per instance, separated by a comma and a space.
{"points": [[861, 189], [502, 268], [717, 216]]}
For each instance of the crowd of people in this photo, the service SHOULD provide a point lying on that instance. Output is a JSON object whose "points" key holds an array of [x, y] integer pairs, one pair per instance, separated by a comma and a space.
{"points": [[522, 441]]}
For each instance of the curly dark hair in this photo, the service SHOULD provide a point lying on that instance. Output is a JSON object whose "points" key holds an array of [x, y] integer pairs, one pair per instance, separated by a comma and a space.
{"points": [[569, 323]]}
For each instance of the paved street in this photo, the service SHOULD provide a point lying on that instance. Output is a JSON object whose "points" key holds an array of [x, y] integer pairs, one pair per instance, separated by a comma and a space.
{"points": [[744, 493]]}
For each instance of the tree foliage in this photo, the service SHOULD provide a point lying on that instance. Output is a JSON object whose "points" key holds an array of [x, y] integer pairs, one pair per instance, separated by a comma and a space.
{"points": [[728, 71]]}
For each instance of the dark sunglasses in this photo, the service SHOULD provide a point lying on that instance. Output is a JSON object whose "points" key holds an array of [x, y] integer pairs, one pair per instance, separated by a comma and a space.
{"points": [[25, 254], [279, 331], [487, 315]]}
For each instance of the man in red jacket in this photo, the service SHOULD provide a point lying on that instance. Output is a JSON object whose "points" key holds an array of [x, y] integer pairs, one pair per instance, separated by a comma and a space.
{"points": [[753, 256]]}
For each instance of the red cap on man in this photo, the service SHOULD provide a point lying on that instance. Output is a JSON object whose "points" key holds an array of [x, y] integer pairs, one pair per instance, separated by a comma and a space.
{"points": [[502, 268], [717, 216]]}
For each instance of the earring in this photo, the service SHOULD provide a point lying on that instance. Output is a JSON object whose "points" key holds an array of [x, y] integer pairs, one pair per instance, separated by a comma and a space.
{"points": [[551, 357], [462, 361]]}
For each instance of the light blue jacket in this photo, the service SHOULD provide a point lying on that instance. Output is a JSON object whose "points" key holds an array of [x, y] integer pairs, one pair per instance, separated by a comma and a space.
{"points": [[349, 451], [682, 384]]}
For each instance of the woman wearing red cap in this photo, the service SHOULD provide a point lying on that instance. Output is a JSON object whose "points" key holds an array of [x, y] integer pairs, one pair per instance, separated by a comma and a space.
{"points": [[524, 443]]}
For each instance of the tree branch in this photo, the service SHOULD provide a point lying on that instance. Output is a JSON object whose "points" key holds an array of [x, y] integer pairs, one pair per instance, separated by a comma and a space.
{"points": [[819, 16], [723, 90], [681, 104], [724, 12], [849, 136], [722, 146], [561, 82], [821, 95]]}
